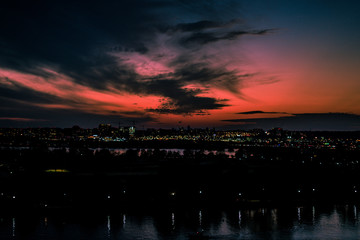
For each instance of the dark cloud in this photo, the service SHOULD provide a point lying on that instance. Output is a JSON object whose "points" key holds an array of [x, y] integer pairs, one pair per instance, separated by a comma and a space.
{"points": [[304, 121], [196, 26], [200, 38], [204, 32], [187, 69], [203, 73], [260, 112], [70, 36], [78, 39], [182, 101], [198, 107]]}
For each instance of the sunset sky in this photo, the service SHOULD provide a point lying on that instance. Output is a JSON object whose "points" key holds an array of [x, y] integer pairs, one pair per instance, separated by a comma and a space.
{"points": [[171, 63]]}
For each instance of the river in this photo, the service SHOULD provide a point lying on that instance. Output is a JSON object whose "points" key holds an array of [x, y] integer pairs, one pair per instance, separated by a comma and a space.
{"points": [[291, 222]]}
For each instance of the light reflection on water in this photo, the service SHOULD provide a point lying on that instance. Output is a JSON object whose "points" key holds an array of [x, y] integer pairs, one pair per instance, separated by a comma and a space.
{"points": [[308, 222]]}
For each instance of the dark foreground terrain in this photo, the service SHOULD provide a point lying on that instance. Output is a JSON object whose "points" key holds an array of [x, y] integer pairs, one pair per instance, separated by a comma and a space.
{"points": [[81, 177]]}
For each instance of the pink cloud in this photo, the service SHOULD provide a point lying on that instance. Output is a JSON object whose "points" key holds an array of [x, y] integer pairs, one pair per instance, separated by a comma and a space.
{"points": [[21, 119], [77, 96]]}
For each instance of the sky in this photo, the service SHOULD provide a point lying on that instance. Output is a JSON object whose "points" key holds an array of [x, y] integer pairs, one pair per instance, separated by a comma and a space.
{"points": [[228, 64]]}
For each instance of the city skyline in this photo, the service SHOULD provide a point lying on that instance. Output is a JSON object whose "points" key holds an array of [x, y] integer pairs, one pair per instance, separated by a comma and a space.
{"points": [[163, 64]]}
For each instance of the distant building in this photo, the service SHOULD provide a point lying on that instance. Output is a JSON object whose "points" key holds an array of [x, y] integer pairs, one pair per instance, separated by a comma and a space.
{"points": [[131, 131]]}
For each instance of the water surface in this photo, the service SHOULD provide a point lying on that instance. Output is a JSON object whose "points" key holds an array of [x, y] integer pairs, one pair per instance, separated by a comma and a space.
{"points": [[308, 222]]}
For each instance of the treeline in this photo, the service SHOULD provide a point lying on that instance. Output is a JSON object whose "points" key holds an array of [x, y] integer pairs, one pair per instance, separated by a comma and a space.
{"points": [[154, 175], [95, 160]]}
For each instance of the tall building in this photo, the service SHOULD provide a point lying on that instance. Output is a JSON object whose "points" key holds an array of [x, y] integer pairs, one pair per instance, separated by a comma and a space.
{"points": [[131, 131]]}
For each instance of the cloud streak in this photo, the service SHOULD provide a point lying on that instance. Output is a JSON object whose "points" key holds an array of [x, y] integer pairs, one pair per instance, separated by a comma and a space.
{"points": [[312, 121], [260, 112], [21, 119]]}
